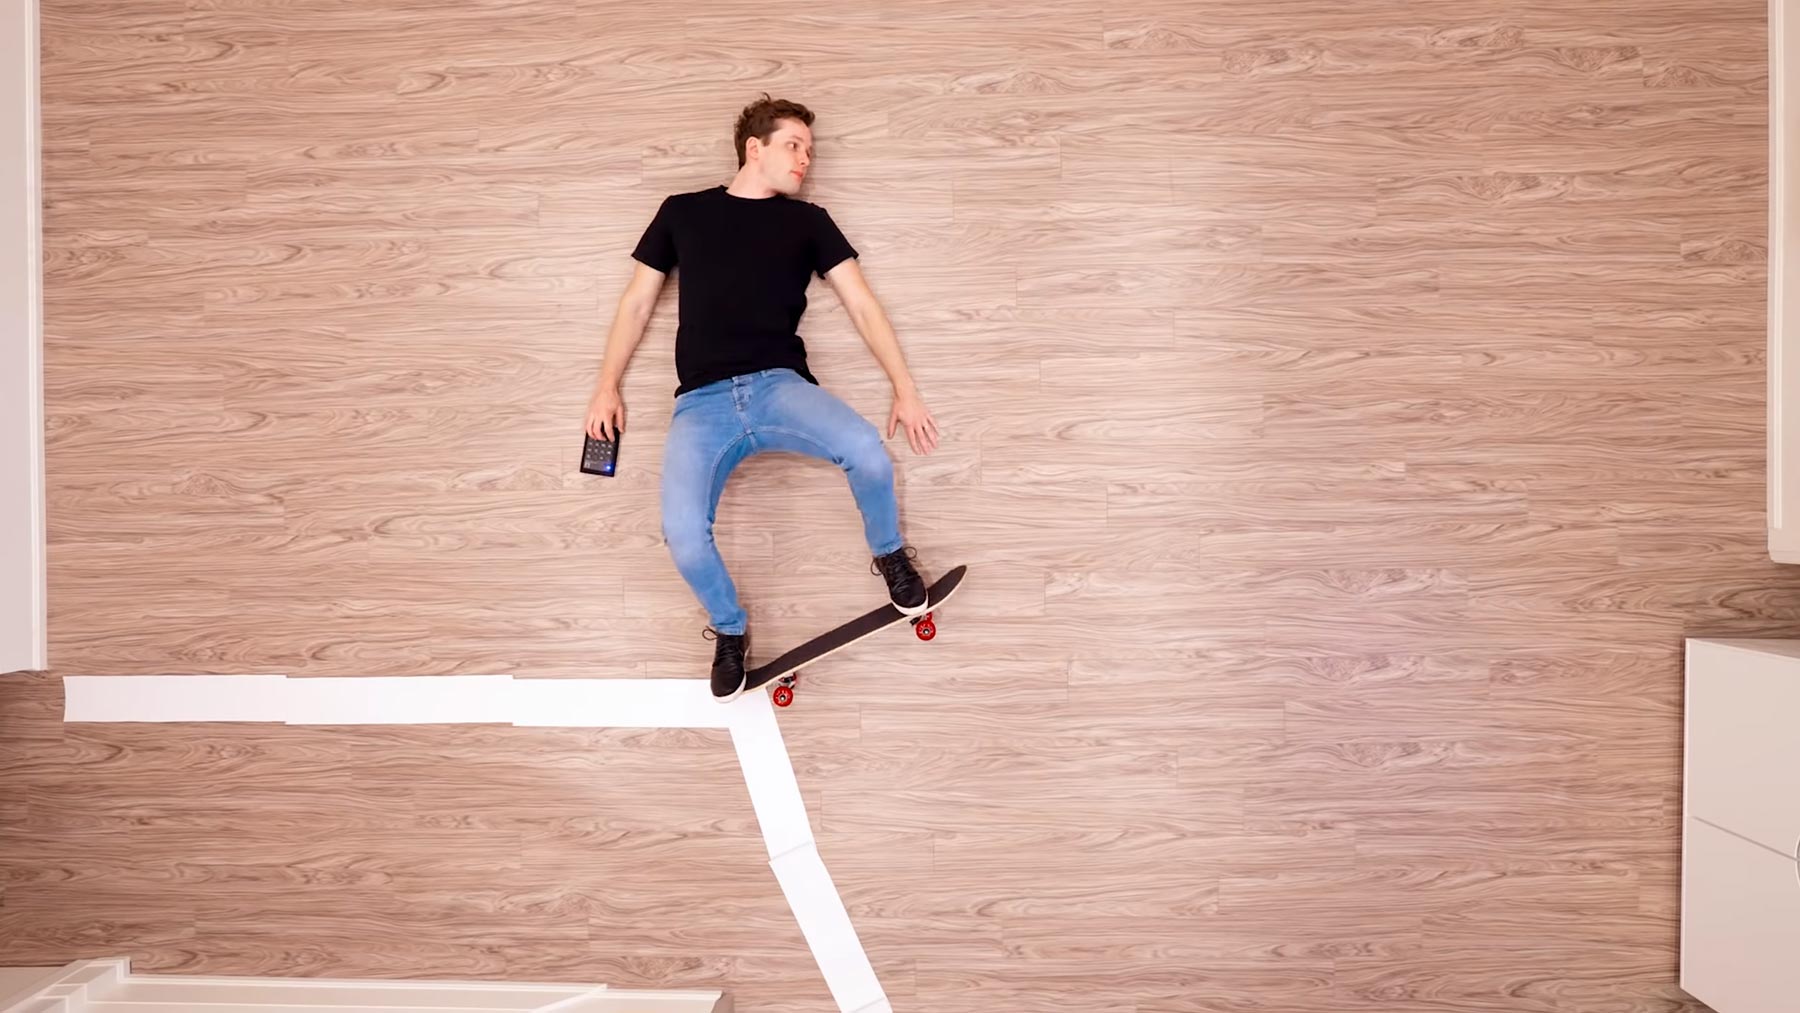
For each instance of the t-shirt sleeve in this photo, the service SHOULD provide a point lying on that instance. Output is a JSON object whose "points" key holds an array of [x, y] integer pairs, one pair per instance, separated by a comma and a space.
{"points": [[656, 248], [830, 248]]}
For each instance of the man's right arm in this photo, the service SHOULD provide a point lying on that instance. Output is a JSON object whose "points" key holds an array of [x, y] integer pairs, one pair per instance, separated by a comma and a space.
{"points": [[629, 321], [606, 411]]}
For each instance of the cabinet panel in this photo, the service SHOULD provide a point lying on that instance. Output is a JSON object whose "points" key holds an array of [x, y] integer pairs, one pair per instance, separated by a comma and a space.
{"points": [[1742, 748], [1740, 923]]}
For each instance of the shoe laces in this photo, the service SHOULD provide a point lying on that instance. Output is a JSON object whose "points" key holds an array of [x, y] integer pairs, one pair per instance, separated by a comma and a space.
{"points": [[726, 641], [894, 563]]}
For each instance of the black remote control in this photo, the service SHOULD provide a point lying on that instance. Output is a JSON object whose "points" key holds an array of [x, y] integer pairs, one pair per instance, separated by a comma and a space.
{"points": [[600, 457]]}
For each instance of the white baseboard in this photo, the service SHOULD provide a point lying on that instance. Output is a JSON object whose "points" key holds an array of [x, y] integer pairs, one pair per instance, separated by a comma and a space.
{"points": [[110, 986]]}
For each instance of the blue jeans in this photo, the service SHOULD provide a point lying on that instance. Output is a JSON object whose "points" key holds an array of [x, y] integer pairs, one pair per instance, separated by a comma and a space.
{"points": [[720, 424]]}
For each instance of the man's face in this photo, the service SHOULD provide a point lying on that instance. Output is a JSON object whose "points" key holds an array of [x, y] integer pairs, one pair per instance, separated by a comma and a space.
{"points": [[787, 158]]}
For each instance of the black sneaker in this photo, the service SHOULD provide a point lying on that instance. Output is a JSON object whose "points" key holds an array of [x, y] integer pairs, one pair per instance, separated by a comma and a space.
{"points": [[728, 663], [905, 587]]}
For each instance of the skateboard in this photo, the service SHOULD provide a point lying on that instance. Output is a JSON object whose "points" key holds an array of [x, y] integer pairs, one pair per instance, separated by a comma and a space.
{"points": [[785, 670]]}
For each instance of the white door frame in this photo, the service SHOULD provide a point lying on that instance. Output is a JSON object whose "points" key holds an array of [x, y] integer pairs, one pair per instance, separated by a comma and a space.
{"points": [[24, 576], [1783, 356]]}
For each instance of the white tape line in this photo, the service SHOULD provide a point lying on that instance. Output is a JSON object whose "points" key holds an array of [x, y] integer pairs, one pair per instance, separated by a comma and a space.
{"points": [[618, 703], [793, 854], [173, 698], [400, 700], [826, 925], [595, 703], [769, 774]]}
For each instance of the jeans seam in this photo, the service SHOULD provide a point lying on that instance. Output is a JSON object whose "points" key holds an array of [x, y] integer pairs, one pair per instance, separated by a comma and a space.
{"points": [[808, 437], [712, 477]]}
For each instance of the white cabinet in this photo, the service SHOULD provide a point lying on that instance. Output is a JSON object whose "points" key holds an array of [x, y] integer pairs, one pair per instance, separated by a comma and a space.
{"points": [[1740, 851], [1742, 744], [1740, 923]]}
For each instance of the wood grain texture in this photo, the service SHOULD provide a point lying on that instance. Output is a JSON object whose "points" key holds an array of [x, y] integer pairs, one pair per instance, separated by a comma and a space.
{"points": [[1347, 410]]}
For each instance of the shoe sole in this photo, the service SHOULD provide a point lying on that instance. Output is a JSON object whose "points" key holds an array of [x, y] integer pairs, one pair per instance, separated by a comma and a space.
{"points": [[916, 610], [739, 691]]}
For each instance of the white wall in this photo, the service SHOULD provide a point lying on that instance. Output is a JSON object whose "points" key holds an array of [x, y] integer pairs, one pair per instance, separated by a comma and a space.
{"points": [[23, 614]]}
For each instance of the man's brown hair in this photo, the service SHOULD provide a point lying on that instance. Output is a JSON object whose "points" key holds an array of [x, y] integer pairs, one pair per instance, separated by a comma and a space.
{"points": [[758, 120]]}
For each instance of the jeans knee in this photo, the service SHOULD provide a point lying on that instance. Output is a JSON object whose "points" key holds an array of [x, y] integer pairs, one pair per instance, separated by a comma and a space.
{"points": [[867, 455], [689, 539]]}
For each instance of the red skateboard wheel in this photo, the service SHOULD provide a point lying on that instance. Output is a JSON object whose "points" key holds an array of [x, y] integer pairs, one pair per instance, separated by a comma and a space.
{"points": [[926, 631], [783, 696]]}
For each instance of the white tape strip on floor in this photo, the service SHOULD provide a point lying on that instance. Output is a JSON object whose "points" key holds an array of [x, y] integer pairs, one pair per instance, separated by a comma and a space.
{"points": [[174, 698], [826, 925], [619, 703], [500, 699], [769, 774], [406, 700]]}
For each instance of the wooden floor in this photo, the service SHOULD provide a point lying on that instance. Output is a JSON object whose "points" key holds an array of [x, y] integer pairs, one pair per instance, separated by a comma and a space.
{"points": [[1347, 410]]}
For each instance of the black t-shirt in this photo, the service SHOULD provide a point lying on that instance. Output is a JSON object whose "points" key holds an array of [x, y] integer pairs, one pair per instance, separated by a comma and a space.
{"points": [[745, 264]]}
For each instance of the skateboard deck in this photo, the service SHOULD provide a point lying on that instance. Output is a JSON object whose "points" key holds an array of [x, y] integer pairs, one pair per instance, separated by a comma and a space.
{"points": [[785, 670]]}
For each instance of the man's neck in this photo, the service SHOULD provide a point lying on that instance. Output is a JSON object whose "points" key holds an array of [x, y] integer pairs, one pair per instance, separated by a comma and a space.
{"points": [[746, 184]]}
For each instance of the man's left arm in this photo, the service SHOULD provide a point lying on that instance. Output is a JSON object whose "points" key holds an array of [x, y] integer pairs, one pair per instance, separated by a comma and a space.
{"points": [[872, 323]]}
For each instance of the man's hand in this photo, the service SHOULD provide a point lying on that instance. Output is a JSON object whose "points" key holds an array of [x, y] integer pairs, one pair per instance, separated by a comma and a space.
{"points": [[921, 429], [606, 413]]}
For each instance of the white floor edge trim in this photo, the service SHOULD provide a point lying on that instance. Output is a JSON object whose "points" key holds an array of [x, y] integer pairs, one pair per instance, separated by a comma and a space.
{"points": [[501, 699]]}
